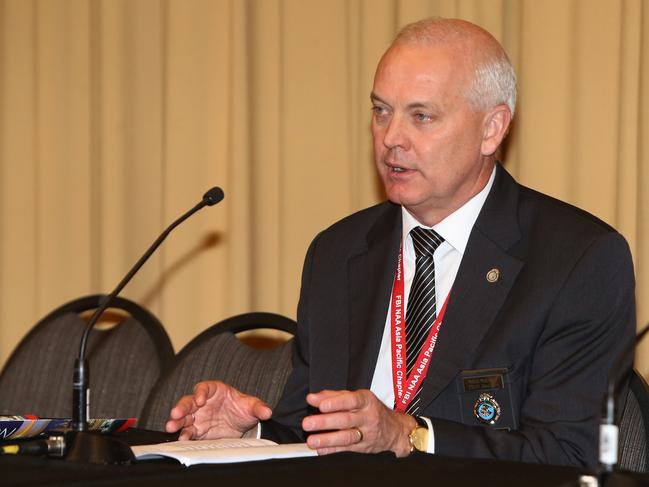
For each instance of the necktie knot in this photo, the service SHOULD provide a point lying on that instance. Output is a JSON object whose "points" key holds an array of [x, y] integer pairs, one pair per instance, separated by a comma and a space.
{"points": [[425, 241]]}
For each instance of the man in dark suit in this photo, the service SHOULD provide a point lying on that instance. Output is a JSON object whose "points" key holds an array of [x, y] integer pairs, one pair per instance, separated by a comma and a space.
{"points": [[516, 305]]}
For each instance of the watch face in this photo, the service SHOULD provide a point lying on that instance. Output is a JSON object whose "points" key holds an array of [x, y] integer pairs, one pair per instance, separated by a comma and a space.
{"points": [[420, 439]]}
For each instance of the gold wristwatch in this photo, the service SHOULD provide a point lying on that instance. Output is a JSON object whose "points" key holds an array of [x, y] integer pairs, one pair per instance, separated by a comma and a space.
{"points": [[419, 436]]}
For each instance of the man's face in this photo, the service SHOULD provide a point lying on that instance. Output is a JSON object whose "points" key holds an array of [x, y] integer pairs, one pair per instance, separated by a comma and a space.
{"points": [[427, 138]]}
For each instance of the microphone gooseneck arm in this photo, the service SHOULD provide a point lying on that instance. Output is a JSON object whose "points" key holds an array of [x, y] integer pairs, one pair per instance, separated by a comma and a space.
{"points": [[81, 374]]}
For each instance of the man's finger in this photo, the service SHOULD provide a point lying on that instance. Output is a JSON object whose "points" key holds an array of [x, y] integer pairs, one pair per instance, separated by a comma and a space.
{"points": [[188, 433], [203, 391], [337, 401], [345, 439], [172, 426], [314, 398], [175, 424], [261, 410], [183, 407], [330, 421]]}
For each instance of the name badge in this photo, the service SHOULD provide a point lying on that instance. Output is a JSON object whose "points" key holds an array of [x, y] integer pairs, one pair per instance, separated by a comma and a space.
{"points": [[483, 382]]}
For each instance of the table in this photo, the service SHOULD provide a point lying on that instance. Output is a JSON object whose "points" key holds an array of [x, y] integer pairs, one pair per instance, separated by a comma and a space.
{"points": [[343, 469]]}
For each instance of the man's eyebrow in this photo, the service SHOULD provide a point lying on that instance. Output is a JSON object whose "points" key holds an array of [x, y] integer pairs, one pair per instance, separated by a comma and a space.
{"points": [[414, 105], [375, 97], [421, 104]]}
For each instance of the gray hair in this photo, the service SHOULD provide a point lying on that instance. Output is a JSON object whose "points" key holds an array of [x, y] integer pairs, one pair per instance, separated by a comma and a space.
{"points": [[494, 80]]}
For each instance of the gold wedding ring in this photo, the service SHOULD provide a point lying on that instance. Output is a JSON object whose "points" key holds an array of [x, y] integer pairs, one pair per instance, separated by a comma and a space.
{"points": [[359, 433]]}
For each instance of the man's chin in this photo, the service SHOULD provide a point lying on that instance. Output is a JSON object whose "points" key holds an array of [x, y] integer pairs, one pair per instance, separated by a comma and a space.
{"points": [[401, 198], [417, 207]]}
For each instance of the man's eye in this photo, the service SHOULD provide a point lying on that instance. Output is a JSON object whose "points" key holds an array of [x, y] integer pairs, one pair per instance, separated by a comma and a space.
{"points": [[423, 117], [378, 111]]}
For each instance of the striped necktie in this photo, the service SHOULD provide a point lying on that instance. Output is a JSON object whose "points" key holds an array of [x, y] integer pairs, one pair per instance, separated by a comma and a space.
{"points": [[421, 308]]}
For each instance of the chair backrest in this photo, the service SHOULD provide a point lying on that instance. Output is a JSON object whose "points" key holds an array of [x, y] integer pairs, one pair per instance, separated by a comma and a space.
{"points": [[218, 354], [634, 427], [124, 360]]}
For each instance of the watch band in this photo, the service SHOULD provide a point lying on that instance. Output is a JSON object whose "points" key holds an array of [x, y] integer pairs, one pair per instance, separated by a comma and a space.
{"points": [[421, 422]]}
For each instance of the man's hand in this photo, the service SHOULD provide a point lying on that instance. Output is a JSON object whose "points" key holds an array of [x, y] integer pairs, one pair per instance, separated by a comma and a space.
{"points": [[216, 410], [360, 422]]}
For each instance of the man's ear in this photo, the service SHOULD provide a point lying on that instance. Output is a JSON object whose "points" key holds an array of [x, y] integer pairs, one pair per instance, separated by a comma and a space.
{"points": [[496, 126]]}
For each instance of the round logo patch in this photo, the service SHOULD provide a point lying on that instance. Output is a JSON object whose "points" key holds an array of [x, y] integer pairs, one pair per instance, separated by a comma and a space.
{"points": [[493, 275], [486, 409]]}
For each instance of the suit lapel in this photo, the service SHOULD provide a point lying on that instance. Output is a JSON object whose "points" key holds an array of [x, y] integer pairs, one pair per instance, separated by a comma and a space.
{"points": [[371, 272], [475, 300]]}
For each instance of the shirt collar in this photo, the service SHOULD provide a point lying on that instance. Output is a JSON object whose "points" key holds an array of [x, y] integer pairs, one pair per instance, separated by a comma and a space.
{"points": [[456, 227]]}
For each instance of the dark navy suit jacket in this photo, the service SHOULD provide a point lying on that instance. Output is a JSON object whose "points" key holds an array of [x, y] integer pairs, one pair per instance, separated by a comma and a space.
{"points": [[540, 340]]}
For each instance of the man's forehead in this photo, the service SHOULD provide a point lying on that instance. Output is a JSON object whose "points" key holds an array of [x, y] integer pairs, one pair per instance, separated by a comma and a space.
{"points": [[421, 72], [460, 51], [425, 60]]}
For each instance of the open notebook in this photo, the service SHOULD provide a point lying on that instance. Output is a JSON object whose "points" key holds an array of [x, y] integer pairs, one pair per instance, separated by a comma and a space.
{"points": [[222, 451]]}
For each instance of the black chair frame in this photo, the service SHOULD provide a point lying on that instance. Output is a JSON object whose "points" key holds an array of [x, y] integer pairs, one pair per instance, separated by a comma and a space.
{"points": [[257, 320], [156, 331]]}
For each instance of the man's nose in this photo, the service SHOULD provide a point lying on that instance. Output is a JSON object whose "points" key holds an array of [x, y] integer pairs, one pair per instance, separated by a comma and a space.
{"points": [[396, 134]]}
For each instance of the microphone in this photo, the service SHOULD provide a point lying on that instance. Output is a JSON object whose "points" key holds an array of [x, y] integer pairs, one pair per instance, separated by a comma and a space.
{"points": [[213, 196], [84, 444], [608, 430]]}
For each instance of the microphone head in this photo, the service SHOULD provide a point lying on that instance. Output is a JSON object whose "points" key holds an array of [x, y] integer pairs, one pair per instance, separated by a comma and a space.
{"points": [[213, 196]]}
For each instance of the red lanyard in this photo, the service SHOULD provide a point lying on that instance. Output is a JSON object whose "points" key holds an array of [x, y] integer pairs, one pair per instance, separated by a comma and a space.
{"points": [[406, 387]]}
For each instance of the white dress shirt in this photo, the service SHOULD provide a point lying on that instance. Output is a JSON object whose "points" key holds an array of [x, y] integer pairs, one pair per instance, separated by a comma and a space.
{"points": [[455, 230]]}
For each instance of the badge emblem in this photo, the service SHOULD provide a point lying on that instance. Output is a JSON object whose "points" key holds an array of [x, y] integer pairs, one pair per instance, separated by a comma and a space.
{"points": [[486, 409], [493, 275]]}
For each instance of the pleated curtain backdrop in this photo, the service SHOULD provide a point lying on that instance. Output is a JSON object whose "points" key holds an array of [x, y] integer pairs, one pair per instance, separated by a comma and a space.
{"points": [[116, 116]]}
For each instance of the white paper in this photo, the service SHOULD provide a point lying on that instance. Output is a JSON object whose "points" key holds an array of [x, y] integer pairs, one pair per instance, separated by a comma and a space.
{"points": [[222, 451]]}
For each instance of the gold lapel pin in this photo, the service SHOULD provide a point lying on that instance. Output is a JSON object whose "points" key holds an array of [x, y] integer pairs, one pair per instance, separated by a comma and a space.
{"points": [[493, 275]]}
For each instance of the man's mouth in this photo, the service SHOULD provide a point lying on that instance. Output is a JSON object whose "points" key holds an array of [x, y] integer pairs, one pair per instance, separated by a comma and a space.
{"points": [[396, 168]]}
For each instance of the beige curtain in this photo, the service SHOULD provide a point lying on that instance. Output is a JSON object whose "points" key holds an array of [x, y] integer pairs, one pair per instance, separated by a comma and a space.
{"points": [[116, 116]]}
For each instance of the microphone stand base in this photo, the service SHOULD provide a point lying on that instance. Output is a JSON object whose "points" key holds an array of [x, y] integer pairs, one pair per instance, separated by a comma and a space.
{"points": [[96, 448]]}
